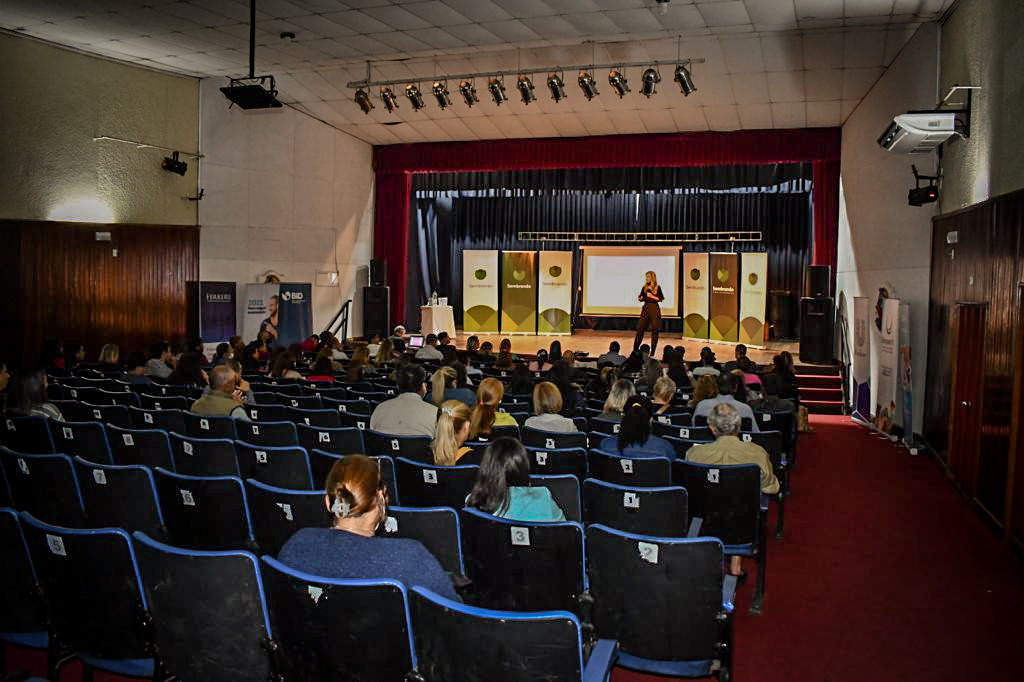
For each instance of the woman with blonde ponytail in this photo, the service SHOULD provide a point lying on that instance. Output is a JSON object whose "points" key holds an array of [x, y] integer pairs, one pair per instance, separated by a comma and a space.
{"points": [[485, 413], [439, 381], [452, 433]]}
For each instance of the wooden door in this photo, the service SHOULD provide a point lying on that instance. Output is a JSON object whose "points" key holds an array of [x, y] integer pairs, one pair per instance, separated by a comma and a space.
{"points": [[965, 409], [1013, 523]]}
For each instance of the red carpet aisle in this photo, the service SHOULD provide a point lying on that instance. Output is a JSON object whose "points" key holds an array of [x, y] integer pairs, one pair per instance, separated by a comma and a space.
{"points": [[885, 573]]}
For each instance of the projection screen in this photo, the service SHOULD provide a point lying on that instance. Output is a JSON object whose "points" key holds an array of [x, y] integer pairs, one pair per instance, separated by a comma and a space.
{"points": [[614, 275]]}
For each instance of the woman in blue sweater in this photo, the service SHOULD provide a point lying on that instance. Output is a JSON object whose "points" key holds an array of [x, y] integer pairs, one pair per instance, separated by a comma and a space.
{"points": [[503, 486], [356, 497], [635, 438]]}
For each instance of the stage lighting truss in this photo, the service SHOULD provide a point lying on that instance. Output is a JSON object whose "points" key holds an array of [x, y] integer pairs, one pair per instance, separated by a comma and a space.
{"points": [[554, 79], [641, 237]]}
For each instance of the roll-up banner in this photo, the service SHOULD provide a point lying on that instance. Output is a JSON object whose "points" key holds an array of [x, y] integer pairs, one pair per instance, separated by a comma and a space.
{"points": [[295, 305], [554, 296], [261, 310], [479, 291], [906, 378], [695, 295], [724, 270], [518, 292], [216, 311], [861, 359], [753, 298], [888, 362]]}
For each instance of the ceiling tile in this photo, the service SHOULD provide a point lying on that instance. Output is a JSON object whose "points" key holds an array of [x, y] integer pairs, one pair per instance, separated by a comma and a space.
{"points": [[868, 8], [823, 50], [358, 22], [473, 34], [786, 86], [510, 126], [819, 9], [755, 116], [635, 20], [321, 26], [789, 115], [682, 18], [437, 13], [551, 27], [591, 23], [864, 49], [722, 117], [743, 55], [689, 118], [771, 15], [729, 13], [511, 30], [396, 18], [658, 120], [621, 122], [782, 52], [857, 82], [823, 84], [478, 10], [822, 114], [526, 8], [750, 88]]}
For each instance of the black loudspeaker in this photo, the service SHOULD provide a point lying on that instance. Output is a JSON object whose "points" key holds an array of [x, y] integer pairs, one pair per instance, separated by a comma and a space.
{"points": [[376, 311], [378, 272], [817, 322], [780, 313], [817, 281]]}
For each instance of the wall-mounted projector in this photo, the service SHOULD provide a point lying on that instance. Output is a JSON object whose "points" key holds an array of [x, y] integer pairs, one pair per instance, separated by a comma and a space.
{"points": [[918, 132]]}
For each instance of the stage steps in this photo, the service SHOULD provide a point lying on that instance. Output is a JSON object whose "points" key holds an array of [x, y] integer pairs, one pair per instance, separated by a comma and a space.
{"points": [[821, 388]]}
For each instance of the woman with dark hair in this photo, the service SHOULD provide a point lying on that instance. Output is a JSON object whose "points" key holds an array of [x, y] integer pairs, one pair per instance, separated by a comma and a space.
{"points": [[323, 369], [51, 354], [541, 364], [283, 366], [741, 393], [555, 351], [635, 438], [635, 362], [196, 346], [249, 357], [666, 355], [677, 370], [74, 356], [521, 382], [356, 499], [506, 347], [28, 396], [503, 487], [189, 372], [505, 360], [782, 367]]}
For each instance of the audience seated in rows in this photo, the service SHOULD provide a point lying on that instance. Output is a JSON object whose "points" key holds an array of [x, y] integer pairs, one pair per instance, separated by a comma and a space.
{"points": [[452, 432], [429, 350], [741, 362], [621, 391], [322, 369], [359, 366], [635, 438], [373, 345], [612, 357], [503, 487], [159, 359], [222, 354], [406, 414], [282, 365], [486, 414], [662, 395], [541, 363], [385, 354], [770, 401], [521, 381], [727, 387], [223, 398], [110, 356], [27, 396], [547, 404], [356, 497], [188, 372], [705, 387], [135, 370], [707, 364]]}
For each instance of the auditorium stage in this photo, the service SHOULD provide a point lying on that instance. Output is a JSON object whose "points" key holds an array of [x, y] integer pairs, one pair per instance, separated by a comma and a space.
{"points": [[596, 342]]}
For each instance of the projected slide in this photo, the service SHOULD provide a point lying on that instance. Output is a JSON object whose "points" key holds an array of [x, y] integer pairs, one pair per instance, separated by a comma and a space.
{"points": [[614, 275]]}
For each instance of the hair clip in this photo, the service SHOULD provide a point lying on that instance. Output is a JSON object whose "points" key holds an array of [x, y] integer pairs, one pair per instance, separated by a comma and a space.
{"points": [[340, 508], [450, 411]]}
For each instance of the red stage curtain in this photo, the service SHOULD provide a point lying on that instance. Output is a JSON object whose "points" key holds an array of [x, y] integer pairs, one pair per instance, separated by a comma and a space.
{"points": [[394, 164]]}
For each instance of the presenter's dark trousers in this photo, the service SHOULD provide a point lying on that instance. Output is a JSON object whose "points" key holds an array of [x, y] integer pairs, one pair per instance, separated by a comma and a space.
{"points": [[650, 316]]}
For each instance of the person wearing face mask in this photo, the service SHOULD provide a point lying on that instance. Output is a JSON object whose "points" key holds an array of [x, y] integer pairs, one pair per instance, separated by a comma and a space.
{"points": [[356, 499]]}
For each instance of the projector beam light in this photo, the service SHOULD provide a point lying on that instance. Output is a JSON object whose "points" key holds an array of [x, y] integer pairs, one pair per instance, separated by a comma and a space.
{"points": [[412, 91], [650, 79], [682, 76], [497, 89], [619, 83], [389, 98]]}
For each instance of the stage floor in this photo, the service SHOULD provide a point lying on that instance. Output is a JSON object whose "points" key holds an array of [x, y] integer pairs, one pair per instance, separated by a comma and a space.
{"points": [[596, 342]]}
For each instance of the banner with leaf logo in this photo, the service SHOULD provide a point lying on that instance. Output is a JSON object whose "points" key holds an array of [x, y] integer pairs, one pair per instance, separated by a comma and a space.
{"points": [[555, 293], [753, 298], [724, 296], [695, 295], [480, 291], [518, 292]]}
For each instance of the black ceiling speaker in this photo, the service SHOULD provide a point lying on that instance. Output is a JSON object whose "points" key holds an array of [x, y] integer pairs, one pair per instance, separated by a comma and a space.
{"points": [[251, 92]]}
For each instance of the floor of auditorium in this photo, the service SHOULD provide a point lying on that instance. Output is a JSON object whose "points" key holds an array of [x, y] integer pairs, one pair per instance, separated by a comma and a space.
{"points": [[885, 573]]}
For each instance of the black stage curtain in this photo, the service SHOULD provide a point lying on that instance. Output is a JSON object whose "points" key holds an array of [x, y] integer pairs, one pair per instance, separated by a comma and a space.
{"points": [[449, 218]]}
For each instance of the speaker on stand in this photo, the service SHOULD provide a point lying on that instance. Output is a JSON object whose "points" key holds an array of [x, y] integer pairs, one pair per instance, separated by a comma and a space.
{"points": [[817, 326], [378, 272], [818, 281], [376, 311]]}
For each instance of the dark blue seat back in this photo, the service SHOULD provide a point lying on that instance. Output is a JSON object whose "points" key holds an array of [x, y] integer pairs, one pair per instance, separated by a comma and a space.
{"points": [[436, 527], [45, 486], [204, 512], [547, 462], [22, 611], [149, 447], [324, 418], [660, 511], [416, 448], [120, 497], [727, 498], [284, 467], [85, 439], [198, 426], [272, 434], [277, 513], [632, 471], [430, 485], [204, 456], [565, 491], [26, 434], [340, 441], [550, 440], [260, 412]]}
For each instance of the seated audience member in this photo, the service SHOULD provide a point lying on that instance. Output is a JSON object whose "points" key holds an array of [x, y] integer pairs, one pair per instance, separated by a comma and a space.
{"points": [[666, 355], [237, 344], [503, 487], [159, 356], [359, 367], [505, 360], [199, 348], [635, 363], [707, 364], [472, 345], [385, 355], [188, 372], [677, 370], [541, 364], [724, 421], [444, 341], [264, 346], [555, 350], [742, 361], [249, 357], [521, 381], [621, 391], [331, 343], [283, 366], [486, 414], [599, 386], [486, 353], [771, 402], [740, 393], [310, 344], [506, 347], [223, 398], [444, 386], [448, 354], [653, 372], [110, 356], [429, 350], [706, 387], [565, 371], [727, 385], [27, 396], [635, 438], [547, 405], [322, 370], [356, 497], [612, 357], [222, 355], [453, 427], [51, 354], [782, 367], [663, 392], [406, 414], [398, 334], [75, 356], [135, 369]]}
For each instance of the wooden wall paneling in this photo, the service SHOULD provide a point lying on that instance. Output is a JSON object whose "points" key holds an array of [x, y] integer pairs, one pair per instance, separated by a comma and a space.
{"points": [[10, 285], [1011, 216]]}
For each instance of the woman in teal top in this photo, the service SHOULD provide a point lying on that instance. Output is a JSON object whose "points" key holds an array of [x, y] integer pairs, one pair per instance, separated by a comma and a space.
{"points": [[503, 486]]}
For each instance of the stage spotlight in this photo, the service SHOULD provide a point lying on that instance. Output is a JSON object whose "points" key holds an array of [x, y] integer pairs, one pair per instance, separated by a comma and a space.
{"points": [[468, 93], [650, 79], [389, 98], [619, 83], [682, 77], [588, 85], [497, 89], [444, 98], [525, 86], [174, 165], [414, 95], [364, 101], [556, 86]]}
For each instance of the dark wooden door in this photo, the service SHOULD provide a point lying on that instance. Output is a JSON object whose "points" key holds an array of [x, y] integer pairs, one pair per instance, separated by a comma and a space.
{"points": [[966, 394], [1013, 526]]}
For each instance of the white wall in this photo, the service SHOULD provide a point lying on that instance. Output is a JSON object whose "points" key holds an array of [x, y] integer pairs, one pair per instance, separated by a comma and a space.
{"points": [[881, 238], [53, 103], [284, 192]]}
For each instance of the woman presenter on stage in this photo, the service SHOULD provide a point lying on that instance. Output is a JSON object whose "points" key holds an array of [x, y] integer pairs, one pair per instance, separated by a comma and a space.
{"points": [[650, 314]]}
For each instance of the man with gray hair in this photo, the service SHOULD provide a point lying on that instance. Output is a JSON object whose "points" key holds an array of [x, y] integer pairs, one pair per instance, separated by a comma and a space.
{"points": [[223, 398], [726, 388], [727, 449]]}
